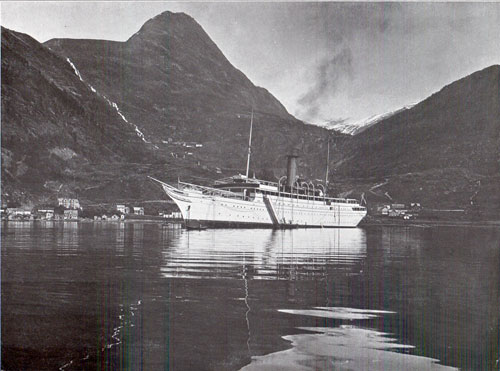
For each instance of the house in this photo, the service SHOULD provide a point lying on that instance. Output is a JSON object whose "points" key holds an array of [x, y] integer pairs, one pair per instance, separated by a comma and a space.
{"points": [[97, 217], [14, 213], [69, 203], [138, 210], [192, 145], [70, 214], [11, 213], [115, 217], [415, 207], [123, 209], [398, 210], [104, 217], [172, 215], [46, 214], [394, 214]]}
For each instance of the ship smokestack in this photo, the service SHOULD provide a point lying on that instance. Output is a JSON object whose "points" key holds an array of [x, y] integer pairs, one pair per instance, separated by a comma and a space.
{"points": [[291, 168]]}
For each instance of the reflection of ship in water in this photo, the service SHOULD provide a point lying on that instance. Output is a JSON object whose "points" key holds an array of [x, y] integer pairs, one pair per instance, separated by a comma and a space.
{"points": [[263, 254], [249, 262]]}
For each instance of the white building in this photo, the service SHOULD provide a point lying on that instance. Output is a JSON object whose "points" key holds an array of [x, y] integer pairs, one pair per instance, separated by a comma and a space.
{"points": [[47, 214], [70, 214], [138, 210], [17, 213], [69, 203], [123, 209]]}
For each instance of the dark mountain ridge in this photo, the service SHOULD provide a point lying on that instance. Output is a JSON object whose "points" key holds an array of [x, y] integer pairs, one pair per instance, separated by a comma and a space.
{"points": [[169, 74], [445, 151], [52, 123], [172, 81], [459, 126]]}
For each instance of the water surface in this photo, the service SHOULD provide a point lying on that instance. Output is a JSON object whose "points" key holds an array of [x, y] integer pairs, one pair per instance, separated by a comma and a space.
{"points": [[143, 296]]}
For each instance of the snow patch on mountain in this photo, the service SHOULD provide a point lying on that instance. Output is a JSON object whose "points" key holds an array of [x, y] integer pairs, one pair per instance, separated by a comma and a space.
{"points": [[356, 127], [77, 73], [139, 133]]}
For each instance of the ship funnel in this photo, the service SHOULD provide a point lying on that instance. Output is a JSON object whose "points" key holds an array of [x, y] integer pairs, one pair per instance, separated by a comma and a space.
{"points": [[291, 168]]}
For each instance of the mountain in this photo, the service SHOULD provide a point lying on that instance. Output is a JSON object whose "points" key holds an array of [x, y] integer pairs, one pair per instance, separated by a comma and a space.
{"points": [[93, 118], [357, 127], [172, 81], [53, 125], [444, 149]]}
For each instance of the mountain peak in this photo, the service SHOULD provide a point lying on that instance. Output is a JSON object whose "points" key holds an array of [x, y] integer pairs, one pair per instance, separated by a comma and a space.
{"points": [[170, 15], [166, 24]]}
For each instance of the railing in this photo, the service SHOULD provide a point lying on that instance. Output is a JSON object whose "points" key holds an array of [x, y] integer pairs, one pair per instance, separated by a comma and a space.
{"points": [[305, 197], [307, 185], [209, 191], [246, 180]]}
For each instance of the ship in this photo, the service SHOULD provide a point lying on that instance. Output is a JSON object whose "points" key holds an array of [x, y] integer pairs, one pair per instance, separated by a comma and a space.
{"points": [[242, 201]]}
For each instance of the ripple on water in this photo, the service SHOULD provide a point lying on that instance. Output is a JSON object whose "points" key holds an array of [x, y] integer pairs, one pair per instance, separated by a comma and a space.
{"points": [[343, 348]]}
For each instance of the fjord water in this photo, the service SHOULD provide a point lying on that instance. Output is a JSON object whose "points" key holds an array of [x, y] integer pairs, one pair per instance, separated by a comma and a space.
{"points": [[98, 296]]}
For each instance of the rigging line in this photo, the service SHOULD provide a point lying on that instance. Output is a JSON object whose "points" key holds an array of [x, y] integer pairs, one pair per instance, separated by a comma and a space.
{"points": [[249, 144]]}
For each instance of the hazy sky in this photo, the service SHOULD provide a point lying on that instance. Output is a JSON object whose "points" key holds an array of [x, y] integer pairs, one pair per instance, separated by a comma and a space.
{"points": [[323, 61]]}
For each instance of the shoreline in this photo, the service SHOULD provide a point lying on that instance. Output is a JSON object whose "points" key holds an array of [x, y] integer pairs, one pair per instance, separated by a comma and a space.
{"points": [[425, 223], [370, 223], [97, 221]]}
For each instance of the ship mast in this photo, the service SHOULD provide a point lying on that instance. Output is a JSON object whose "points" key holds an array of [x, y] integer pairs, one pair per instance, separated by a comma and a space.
{"points": [[327, 164], [249, 144]]}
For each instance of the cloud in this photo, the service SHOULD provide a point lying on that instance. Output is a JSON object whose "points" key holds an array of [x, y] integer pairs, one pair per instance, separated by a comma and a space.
{"points": [[327, 76]]}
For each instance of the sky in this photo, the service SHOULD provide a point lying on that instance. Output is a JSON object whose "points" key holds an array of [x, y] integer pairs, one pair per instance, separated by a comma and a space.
{"points": [[325, 61]]}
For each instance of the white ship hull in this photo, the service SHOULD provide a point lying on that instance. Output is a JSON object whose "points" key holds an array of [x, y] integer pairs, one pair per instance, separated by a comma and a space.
{"points": [[219, 211]]}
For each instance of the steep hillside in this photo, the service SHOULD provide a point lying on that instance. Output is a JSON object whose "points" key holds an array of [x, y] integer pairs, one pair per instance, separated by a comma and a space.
{"points": [[53, 125], [445, 149], [457, 127], [93, 118], [173, 82]]}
